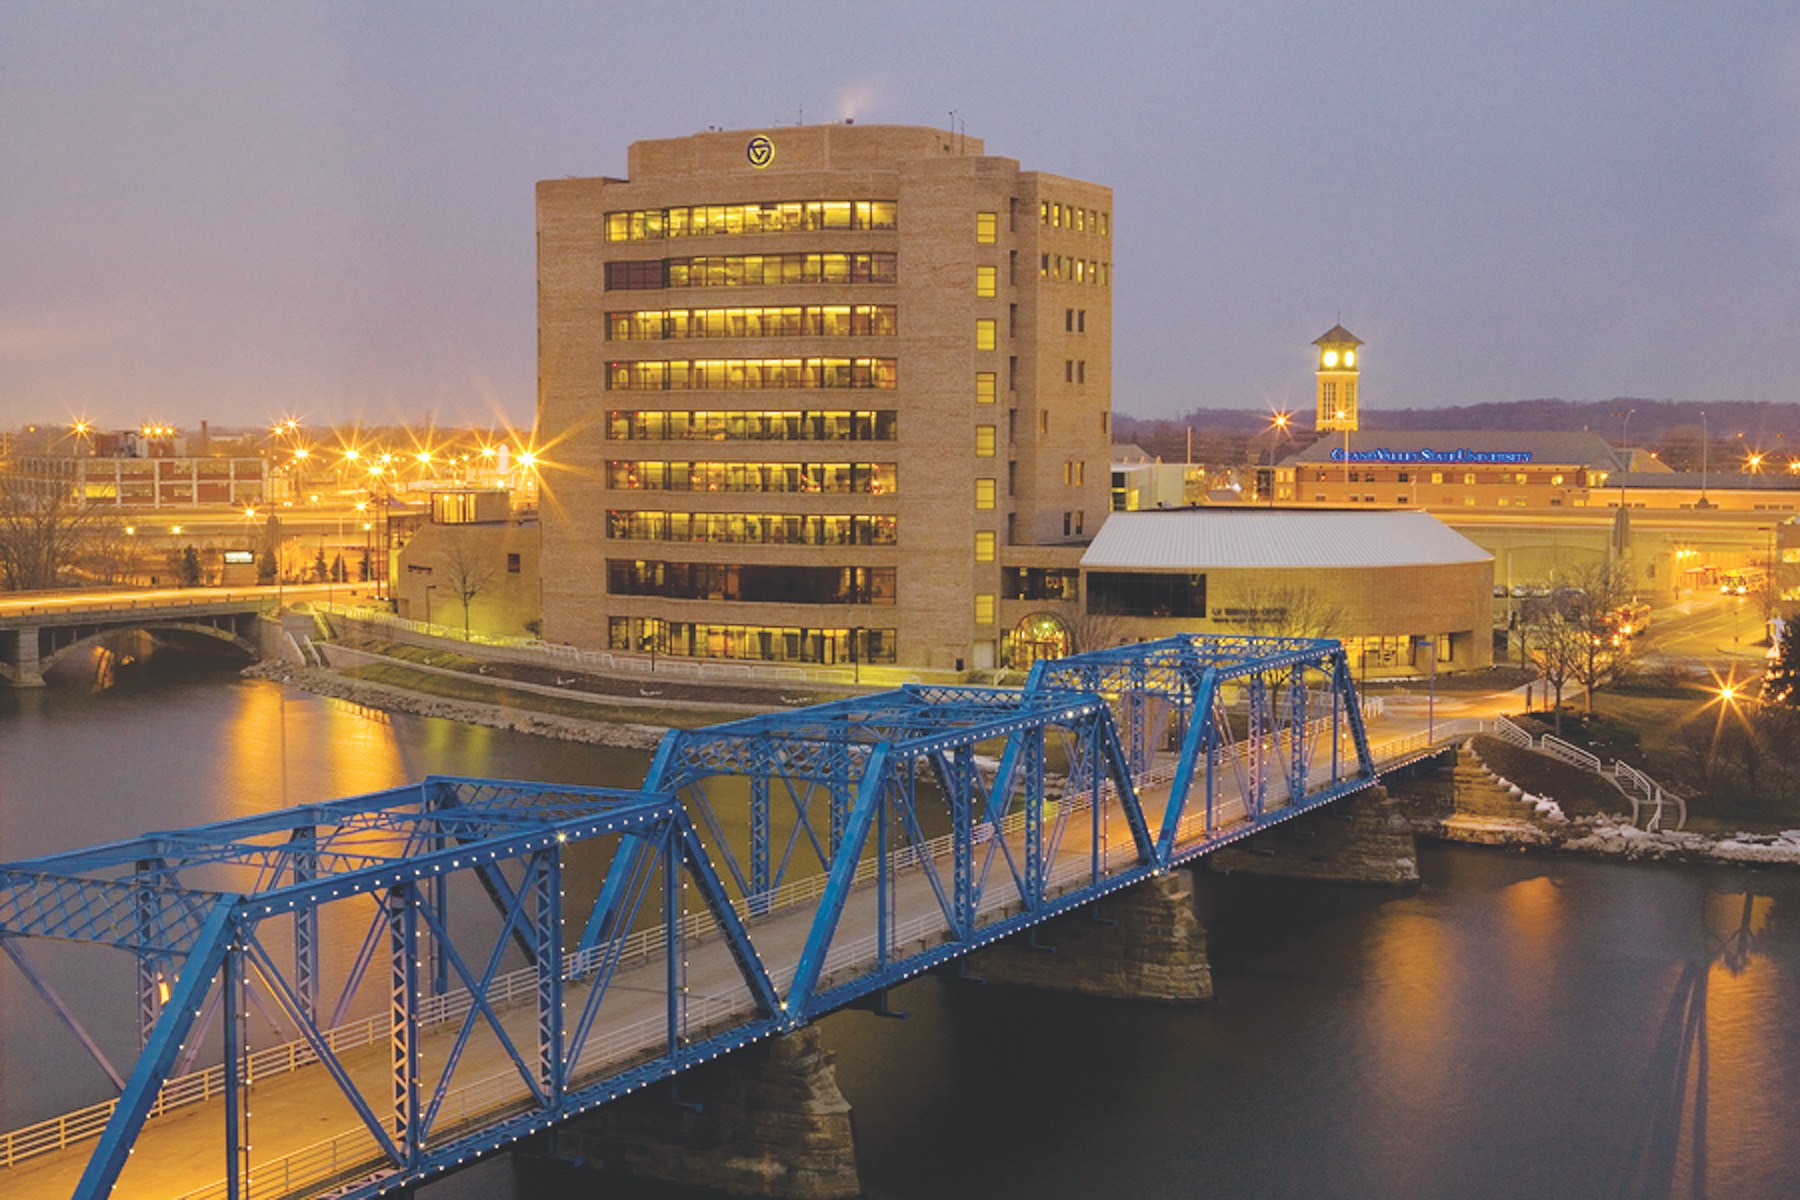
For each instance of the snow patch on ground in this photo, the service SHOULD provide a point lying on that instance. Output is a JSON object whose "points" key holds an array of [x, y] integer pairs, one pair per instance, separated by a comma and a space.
{"points": [[1619, 838]]}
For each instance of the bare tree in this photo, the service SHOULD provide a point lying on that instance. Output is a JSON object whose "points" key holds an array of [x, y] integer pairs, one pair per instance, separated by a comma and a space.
{"points": [[110, 554], [1591, 602], [469, 575], [1282, 610], [1556, 645], [40, 532], [1096, 631]]}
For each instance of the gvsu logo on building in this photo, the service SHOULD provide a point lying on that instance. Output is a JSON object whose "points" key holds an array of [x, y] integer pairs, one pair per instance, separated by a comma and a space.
{"points": [[760, 151]]}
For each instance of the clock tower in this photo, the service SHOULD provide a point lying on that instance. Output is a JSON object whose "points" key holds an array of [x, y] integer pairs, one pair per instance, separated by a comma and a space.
{"points": [[1337, 381]]}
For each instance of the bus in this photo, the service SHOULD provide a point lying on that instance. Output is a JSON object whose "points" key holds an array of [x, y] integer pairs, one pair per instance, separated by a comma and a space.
{"points": [[1739, 582]]}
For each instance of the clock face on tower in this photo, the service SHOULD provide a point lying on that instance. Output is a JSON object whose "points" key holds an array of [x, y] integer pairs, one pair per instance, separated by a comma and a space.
{"points": [[1330, 358], [1349, 358]]}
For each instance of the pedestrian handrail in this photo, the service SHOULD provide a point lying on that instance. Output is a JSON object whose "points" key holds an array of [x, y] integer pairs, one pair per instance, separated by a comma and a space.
{"points": [[57, 1133], [1637, 787], [1506, 731], [1572, 754], [1643, 792]]}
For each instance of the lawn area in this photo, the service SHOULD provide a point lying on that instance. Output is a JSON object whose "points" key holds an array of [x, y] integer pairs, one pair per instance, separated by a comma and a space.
{"points": [[479, 691]]}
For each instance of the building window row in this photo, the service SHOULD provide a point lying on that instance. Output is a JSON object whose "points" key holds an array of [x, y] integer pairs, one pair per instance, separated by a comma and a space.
{"points": [[753, 529], [1074, 370], [1468, 478], [750, 583], [823, 320], [760, 643], [1073, 216], [679, 425], [750, 374], [1040, 583], [1141, 594], [871, 479], [782, 216], [1074, 270], [751, 270]]}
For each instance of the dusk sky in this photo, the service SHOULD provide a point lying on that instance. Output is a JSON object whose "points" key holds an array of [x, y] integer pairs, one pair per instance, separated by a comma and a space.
{"points": [[237, 211]]}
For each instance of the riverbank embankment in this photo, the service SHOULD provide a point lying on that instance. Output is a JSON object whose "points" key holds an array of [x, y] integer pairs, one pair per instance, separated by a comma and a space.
{"points": [[1473, 804]]}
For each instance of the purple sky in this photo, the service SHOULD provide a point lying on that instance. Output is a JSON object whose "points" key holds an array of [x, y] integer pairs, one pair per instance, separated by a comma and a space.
{"points": [[233, 211]]}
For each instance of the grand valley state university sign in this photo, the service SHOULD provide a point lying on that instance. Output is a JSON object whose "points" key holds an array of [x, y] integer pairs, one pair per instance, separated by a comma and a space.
{"points": [[1448, 457]]}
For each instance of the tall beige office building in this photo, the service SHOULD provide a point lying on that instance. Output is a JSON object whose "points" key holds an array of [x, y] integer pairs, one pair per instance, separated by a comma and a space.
{"points": [[820, 394]]}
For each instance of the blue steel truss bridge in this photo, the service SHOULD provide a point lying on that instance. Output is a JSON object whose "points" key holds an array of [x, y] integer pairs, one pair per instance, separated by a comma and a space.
{"points": [[347, 998]]}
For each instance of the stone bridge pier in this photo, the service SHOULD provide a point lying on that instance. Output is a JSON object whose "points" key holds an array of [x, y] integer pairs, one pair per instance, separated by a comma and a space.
{"points": [[19, 661], [767, 1121], [1361, 839]]}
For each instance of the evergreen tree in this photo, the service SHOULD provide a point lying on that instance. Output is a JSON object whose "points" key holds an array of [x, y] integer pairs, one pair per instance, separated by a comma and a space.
{"points": [[190, 567], [1781, 685]]}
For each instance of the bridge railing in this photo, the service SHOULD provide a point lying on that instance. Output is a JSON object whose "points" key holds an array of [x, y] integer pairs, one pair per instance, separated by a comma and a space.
{"points": [[60, 1132]]}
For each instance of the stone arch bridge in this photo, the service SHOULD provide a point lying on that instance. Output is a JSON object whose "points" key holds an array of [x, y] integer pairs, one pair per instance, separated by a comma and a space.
{"points": [[39, 630]]}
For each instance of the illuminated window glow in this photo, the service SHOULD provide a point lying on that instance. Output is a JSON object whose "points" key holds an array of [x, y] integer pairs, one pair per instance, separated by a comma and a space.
{"points": [[751, 374], [784, 216], [842, 478], [751, 270], [764, 643], [681, 425], [753, 529], [828, 320]]}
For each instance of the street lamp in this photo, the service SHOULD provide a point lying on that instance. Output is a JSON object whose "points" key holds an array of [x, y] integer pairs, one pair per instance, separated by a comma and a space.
{"points": [[1429, 642], [1278, 425], [1625, 448]]}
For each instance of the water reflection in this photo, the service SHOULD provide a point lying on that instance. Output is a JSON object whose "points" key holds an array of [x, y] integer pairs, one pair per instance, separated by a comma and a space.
{"points": [[1709, 1062]]}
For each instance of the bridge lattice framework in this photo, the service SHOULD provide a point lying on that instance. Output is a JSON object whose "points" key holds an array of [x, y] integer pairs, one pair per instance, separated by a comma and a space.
{"points": [[768, 871]]}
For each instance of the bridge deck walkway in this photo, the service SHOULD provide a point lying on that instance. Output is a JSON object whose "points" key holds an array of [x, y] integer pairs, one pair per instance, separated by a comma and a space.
{"points": [[304, 1135]]}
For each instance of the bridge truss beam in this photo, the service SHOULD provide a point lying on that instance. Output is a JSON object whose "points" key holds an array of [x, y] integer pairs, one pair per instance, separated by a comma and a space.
{"points": [[770, 870]]}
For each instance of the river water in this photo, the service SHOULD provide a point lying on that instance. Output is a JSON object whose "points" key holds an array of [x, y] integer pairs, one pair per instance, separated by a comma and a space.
{"points": [[1517, 1026]]}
